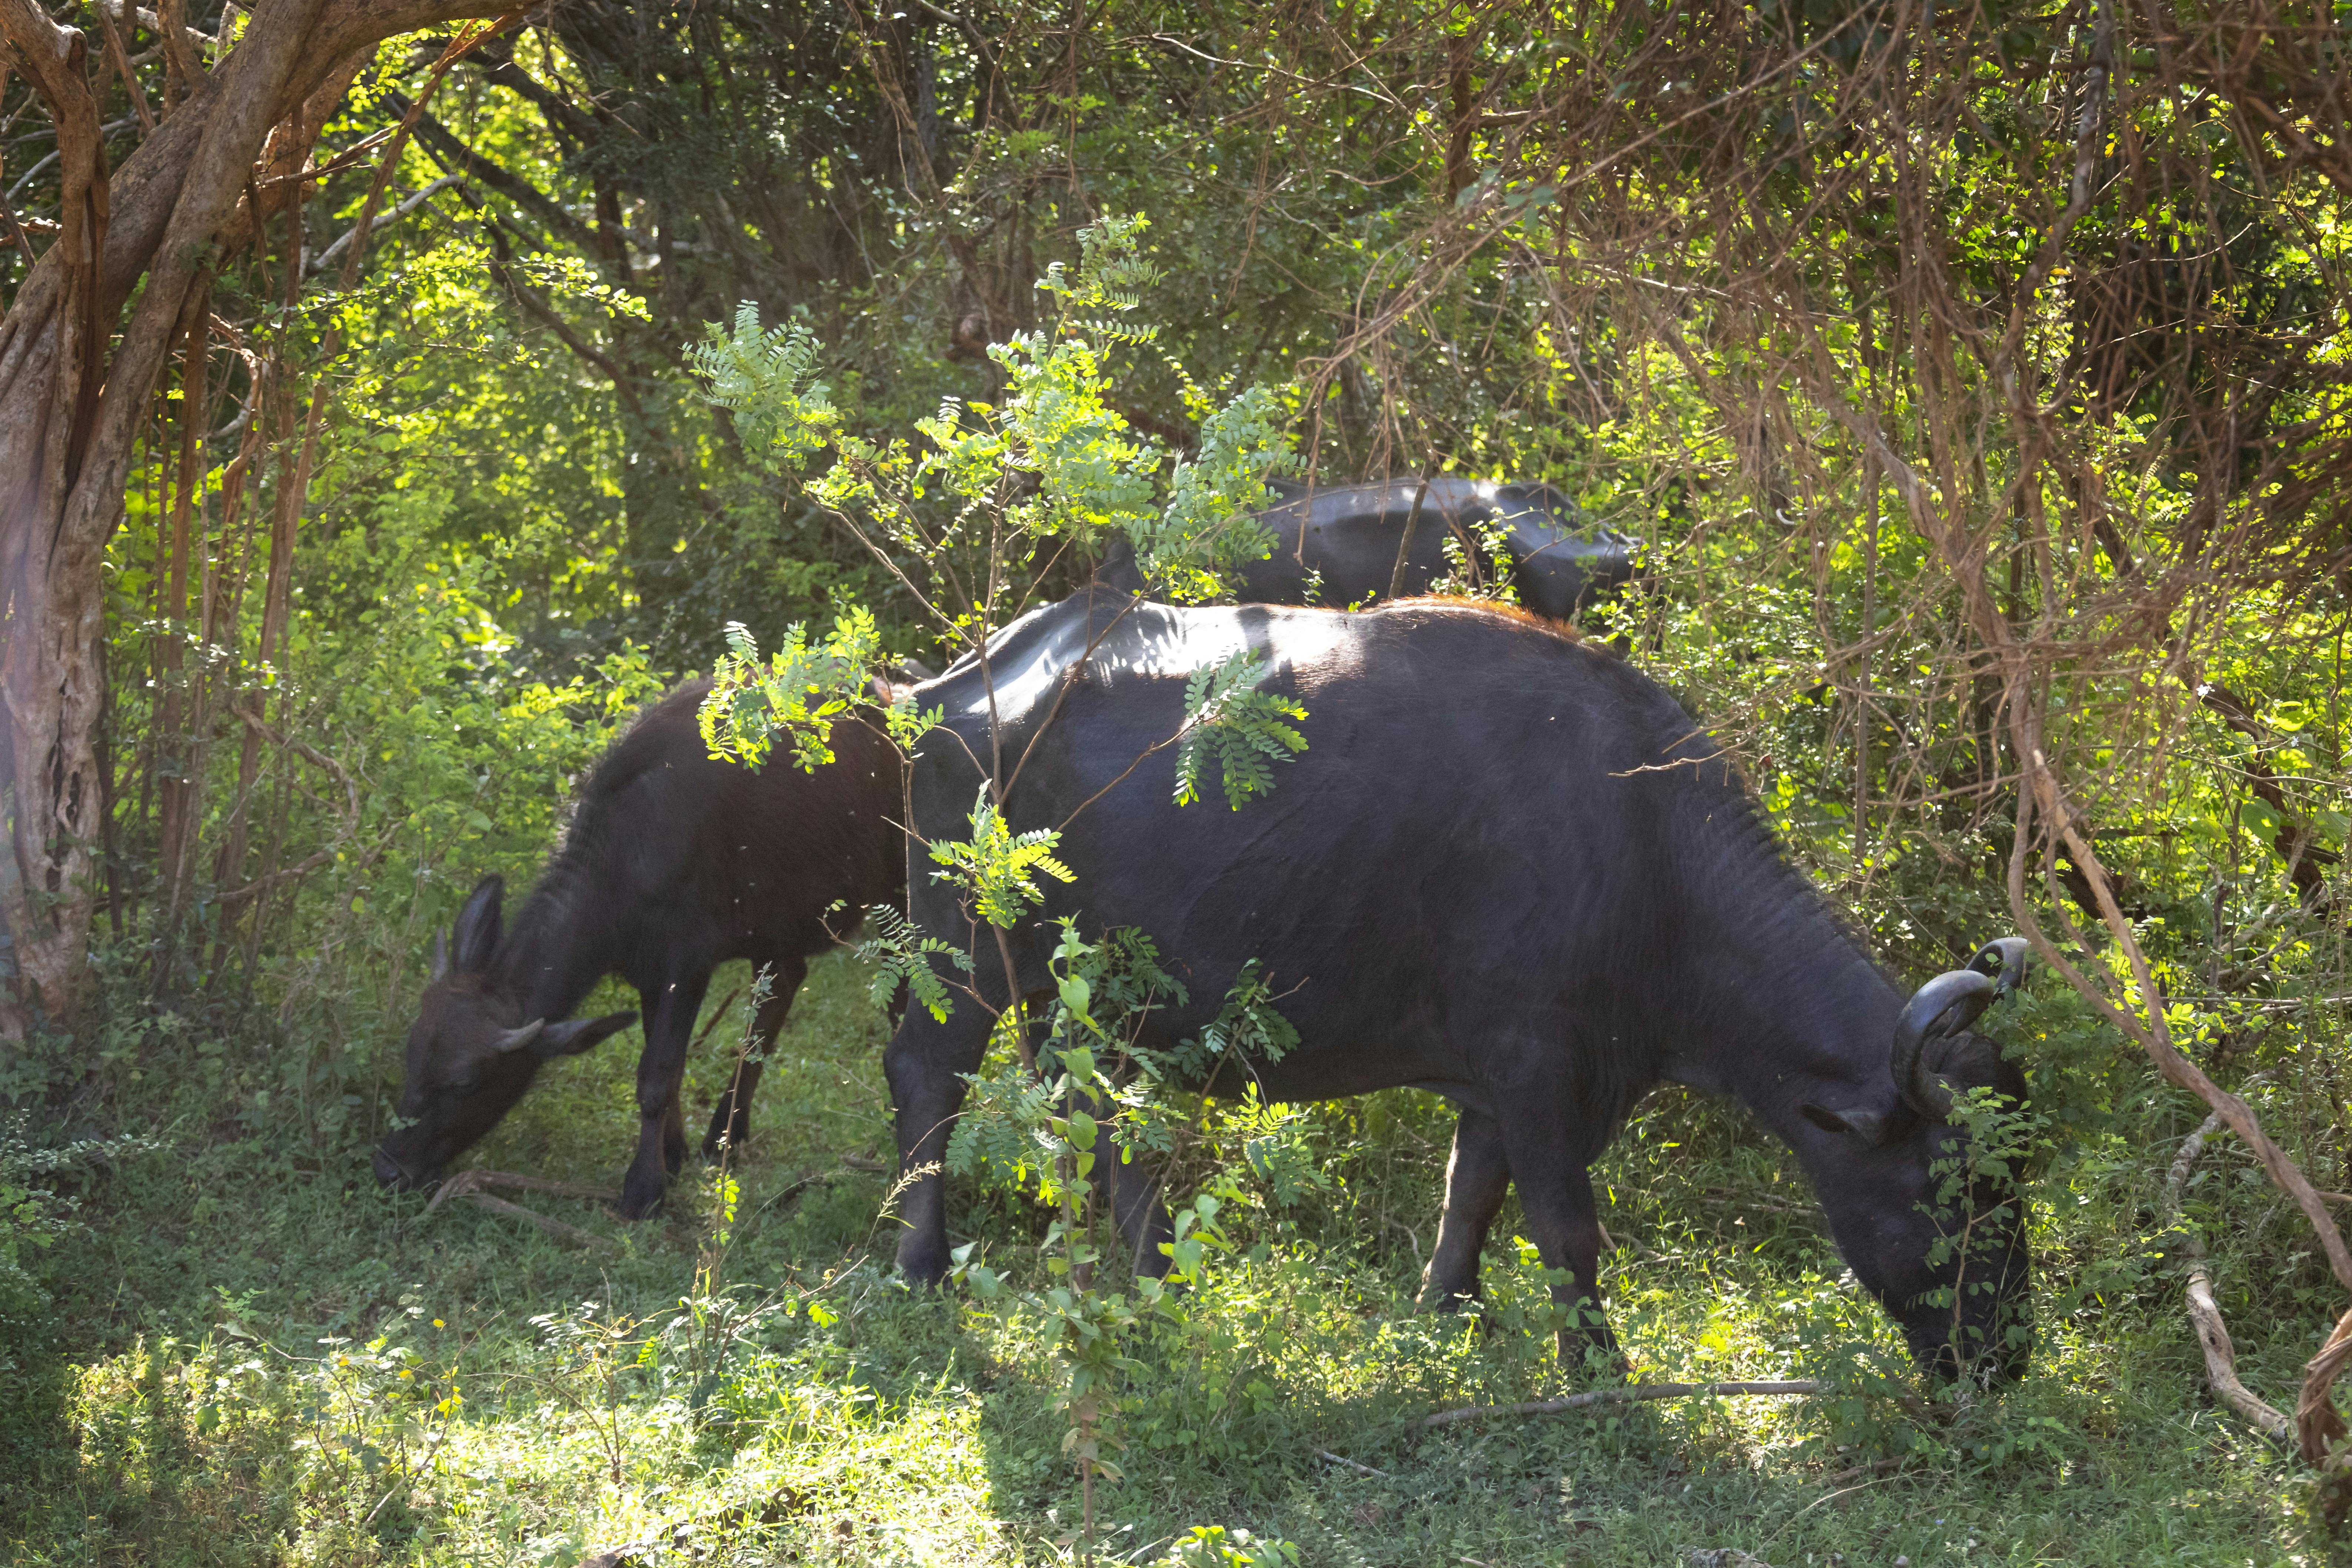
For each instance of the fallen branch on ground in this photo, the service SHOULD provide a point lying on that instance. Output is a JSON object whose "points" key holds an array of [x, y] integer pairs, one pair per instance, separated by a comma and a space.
{"points": [[469, 1185], [1351, 1464], [2212, 1333], [1631, 1395], [465, 1183]]}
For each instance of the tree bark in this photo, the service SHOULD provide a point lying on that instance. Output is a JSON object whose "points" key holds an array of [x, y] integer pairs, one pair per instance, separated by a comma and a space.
{"points": [[68, 416]]}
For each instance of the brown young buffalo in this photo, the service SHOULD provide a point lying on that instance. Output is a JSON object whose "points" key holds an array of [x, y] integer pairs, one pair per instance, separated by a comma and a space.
{"points": [[673, 864]]}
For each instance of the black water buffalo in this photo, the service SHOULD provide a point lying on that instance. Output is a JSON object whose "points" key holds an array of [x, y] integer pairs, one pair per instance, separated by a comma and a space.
{"points": [[672, 865], [1507, 869], [1339, 544]]}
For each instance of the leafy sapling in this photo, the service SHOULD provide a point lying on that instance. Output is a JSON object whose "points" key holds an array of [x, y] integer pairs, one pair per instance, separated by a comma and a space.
{"points": [[994, 867], [1981, 1187], [799, 692], [899, 953]]}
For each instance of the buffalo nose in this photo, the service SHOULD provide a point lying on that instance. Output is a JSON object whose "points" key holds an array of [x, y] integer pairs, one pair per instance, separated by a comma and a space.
{"points": [[388, 1171]]}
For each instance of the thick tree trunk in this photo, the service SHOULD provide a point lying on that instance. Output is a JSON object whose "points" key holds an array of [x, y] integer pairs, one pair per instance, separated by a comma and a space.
{"points": [[68, 416]]}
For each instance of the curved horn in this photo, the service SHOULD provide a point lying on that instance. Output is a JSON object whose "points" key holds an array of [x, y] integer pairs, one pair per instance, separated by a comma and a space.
{"points": [[1945, 1005], [516, 1039], [2003, 958]]}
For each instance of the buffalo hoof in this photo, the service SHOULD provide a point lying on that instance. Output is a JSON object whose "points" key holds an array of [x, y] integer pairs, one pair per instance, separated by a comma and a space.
{"points": [[637, 1201], [717, 1142], [923, 1265]]}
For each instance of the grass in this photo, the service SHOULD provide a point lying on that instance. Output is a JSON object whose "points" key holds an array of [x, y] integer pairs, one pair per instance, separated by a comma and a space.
{"points": [[267, 1359]]}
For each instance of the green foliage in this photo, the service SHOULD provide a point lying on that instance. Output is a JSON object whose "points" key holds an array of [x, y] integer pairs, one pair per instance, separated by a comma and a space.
{"points": [[854, 1420], [512, 541], [1469, 577], [33, 1219], [994, 867], [1226, 716], [900, 954], [1213, 1546], [767, 379], [799, 693], [955, 508], [1275, 1147], [1247, 1027], [1984, 1186]]}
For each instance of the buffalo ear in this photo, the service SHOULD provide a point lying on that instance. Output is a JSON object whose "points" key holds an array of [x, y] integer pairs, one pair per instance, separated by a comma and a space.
{"points": [[1869, 1126], [574, 1036], [479, 926]]}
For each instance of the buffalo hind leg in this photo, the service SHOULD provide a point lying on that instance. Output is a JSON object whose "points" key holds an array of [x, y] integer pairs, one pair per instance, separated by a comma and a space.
{"points": [[1132, 1189], [669, 1014], [924, 1064], [731, 1120], [1477, 1175], [1555, 1190]]}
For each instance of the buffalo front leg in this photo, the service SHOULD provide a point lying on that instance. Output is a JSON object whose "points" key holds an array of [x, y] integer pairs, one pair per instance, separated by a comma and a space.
{"points": [[924, 1064], [1556, 1190], [669, 1012], [1477, 1175], [730, 1121]]}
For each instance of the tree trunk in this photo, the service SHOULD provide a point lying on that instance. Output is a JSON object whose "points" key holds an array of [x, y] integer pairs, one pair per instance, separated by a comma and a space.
{"points": [[68, 416]]}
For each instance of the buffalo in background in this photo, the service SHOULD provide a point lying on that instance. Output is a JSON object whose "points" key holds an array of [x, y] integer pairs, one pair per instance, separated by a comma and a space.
{"points": [[1360, 544]]}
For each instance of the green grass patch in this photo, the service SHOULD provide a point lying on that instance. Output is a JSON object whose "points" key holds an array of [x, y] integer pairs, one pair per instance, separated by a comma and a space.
{"points": [[263, 1359]]}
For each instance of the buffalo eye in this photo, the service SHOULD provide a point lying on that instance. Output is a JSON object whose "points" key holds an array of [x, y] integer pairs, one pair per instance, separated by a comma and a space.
{"points": [[1869, 1126]]}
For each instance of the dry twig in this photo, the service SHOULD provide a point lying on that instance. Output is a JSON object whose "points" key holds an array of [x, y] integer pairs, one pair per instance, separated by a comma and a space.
{"points": [[2212, 1333], [469, 1186], [466, 1184]]}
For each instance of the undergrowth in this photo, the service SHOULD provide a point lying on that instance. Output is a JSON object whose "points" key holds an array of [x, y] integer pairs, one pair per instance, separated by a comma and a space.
{"points": [[263, 1359]]}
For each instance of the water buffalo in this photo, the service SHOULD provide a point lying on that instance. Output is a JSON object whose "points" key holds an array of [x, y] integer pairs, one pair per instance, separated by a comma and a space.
{"points": [[673, 864], [1340, 544], [1507, 869]]}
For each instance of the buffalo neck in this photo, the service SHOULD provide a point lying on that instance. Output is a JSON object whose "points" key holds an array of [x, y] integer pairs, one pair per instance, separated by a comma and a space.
{"points": [[1822, 1034], [559, 946], [1780, 1004]]}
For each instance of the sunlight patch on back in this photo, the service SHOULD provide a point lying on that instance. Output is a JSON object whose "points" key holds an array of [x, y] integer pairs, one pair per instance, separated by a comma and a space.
{"points": [[1154, 642]]}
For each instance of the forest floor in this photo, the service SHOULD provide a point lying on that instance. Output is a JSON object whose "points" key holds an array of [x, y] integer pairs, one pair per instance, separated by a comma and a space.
{"points": [[272, 1361]]}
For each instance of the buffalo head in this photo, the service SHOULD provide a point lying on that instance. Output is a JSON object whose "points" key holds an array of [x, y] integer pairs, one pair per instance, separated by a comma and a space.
{"points": [[1926, 1224], [471, 1053]]}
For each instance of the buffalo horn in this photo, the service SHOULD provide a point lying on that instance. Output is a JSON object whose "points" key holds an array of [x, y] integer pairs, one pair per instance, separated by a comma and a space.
{"points": [[1945, 1005], [440, 955], [516, 1039], [2003, 958]]}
